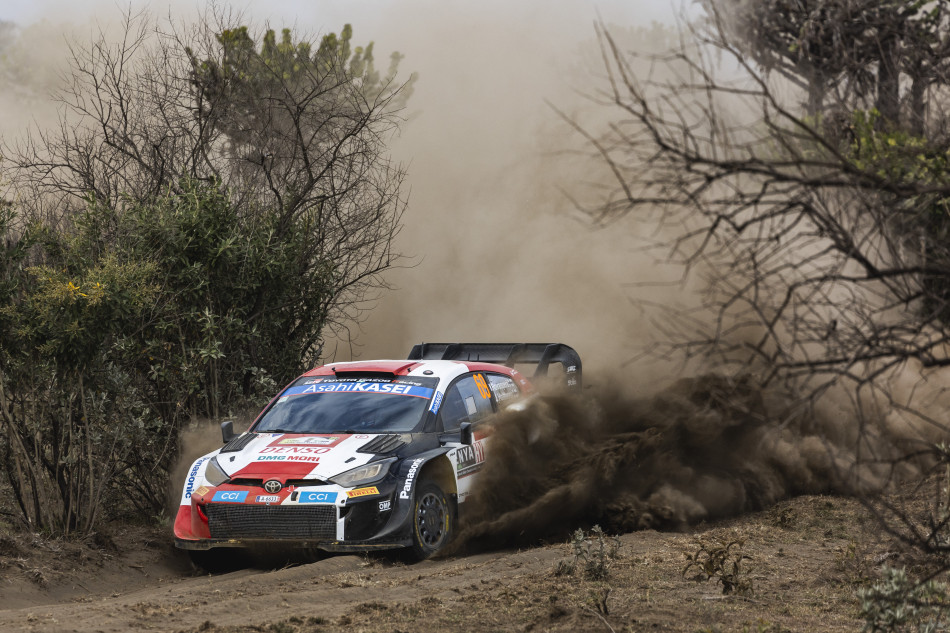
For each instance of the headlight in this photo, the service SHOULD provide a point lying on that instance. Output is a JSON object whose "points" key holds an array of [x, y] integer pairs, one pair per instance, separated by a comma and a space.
{"points": [[214, 473], [374, 471]]}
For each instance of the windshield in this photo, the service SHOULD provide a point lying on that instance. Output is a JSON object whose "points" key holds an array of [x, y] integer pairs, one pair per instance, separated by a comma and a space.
{"points": [[355, 405]]}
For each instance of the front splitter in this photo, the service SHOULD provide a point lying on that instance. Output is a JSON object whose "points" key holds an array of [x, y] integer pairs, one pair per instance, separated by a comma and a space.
{"points": [[328, 546]]}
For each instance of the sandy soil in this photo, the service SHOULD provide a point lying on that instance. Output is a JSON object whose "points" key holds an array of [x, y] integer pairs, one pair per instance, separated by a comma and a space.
{"points": [[807, 556]]}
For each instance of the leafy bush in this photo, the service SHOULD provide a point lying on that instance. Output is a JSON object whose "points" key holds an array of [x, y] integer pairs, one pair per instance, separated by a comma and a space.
{"points": [[156, 269], [111, 344], [897, 604]]}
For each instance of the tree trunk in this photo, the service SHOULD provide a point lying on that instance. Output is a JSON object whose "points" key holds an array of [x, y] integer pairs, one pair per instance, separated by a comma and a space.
{"points": [[918, 108], [816, 93], [888, 80]]}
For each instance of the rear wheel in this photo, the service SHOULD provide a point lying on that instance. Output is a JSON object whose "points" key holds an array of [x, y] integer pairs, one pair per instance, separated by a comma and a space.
{"points": [[433, 521]]}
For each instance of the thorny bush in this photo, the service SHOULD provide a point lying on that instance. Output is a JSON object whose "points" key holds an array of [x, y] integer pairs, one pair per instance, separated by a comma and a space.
{"points": [[596, 551], [722, 562]]}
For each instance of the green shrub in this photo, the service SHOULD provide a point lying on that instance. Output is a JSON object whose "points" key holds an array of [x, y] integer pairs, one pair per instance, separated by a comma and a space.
{"points": [[133, 323], [178, 249], [897, 604]]}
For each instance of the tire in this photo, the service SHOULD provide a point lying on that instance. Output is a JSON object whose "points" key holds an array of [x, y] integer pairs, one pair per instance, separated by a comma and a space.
{"points": [[433, 521]]}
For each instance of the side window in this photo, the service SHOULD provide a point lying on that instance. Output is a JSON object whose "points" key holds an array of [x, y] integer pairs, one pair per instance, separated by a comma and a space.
{"points": [[468, 400], [504, 388]]}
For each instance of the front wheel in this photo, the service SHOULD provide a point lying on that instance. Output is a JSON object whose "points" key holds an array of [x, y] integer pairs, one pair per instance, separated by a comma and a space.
{"points": [[433, 521]]}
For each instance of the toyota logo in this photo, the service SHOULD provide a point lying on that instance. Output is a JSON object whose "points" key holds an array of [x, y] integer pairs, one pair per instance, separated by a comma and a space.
{"points": [[272, 486]]}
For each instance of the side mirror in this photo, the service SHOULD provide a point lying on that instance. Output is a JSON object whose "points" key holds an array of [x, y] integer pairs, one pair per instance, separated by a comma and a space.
{"points": [[465, 433], [227, 431]]}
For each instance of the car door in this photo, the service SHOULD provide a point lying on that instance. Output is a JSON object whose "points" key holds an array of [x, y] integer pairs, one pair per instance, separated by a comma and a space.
{"points": [[468, 399], [473, 398]]}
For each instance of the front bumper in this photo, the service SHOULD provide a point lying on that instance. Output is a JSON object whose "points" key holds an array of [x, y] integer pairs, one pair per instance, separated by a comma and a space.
{"points": [[372, 519]]}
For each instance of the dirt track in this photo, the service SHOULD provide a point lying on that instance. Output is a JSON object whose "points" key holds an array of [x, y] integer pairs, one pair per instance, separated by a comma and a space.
{"points": [[328, 588], [807, 556]]}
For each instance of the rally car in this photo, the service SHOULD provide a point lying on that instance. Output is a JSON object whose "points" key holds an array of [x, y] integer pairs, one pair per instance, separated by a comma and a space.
{"points": [[363, 455]]}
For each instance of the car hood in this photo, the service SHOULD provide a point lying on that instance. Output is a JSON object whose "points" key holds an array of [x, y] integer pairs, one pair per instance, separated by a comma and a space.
{"points": [[286, 456]]}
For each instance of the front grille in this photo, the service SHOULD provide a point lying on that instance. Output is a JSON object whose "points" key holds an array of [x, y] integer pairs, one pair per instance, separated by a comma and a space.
{"points": [[259, 483], [246, 521]]}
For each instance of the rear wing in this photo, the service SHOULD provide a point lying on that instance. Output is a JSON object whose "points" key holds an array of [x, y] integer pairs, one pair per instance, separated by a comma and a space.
{"points": [[508, 354]]}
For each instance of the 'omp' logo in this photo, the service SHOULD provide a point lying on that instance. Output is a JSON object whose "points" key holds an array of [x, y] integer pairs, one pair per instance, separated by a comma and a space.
{"points": [[317, 497], [230, 496]]}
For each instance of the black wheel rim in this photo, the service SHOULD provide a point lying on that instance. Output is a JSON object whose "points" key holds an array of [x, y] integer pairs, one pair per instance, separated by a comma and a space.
{"points": [[430, 520]]}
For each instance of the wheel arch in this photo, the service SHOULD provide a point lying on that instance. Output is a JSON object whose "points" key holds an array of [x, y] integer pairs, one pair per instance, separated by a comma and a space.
{"points": [[439, 470]]}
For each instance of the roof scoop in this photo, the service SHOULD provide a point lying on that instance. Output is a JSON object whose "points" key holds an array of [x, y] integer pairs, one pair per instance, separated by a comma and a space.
{"points": [[380, 368], [369, 375]]}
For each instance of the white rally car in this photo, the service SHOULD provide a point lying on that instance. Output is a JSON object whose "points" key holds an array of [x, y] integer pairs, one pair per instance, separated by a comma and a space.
{"points": [[360, 455]]}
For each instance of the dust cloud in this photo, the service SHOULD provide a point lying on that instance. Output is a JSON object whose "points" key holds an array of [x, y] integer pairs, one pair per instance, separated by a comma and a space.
{"points": [[701, 449], [495, 251], [500, 254], [493, 247]]}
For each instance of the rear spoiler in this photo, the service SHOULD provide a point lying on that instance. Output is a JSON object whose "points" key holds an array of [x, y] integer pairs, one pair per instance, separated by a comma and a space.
{"points": [[508, 354]]}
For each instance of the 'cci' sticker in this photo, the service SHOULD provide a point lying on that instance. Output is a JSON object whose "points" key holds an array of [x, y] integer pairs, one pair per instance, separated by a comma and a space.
{"points": [[230, 496], [317, 497]]}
